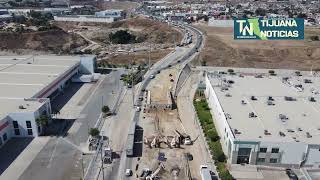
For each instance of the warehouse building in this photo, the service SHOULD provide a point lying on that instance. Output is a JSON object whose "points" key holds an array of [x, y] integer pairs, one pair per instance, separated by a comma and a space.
{"points": [[266, 118], [27, 83], [117, 14]]}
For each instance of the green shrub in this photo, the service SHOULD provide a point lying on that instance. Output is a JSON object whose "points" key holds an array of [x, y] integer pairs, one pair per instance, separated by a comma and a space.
{"points": [[209, 130], [212, 135]]}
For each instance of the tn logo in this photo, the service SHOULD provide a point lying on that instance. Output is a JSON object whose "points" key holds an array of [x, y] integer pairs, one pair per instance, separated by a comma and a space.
{"points": [[244, 29]]}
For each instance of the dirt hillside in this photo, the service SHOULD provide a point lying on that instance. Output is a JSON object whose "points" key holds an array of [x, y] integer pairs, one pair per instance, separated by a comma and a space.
{"points": [[222, 50], [149, 30], [55, 41]]}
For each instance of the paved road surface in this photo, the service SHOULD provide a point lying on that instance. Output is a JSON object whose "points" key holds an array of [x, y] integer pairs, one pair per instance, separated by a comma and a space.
{"points": [[60, 158]]}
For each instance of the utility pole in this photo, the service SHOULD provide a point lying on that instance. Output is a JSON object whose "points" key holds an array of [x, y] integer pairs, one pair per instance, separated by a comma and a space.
{"points": [[149, 56], [82, 168], [101, 151], [101, 102], [132, 80], [174, 41]]}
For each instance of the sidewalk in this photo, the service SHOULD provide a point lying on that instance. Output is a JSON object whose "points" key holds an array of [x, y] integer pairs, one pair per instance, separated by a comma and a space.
{"points": [[19, 165]]}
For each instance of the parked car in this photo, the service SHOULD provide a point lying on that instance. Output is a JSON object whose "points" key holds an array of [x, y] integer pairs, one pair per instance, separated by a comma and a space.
{"points": [[128, 172], [291, 174]]}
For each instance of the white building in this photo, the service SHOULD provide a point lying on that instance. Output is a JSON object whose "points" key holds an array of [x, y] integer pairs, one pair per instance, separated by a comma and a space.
{"points": [[27, 83], [84, 18], [266, 119], [112, 13]]}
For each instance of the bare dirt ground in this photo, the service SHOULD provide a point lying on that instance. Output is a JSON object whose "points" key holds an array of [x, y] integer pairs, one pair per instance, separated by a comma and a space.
{"points": [[54, 41], [159, 91], [162, 122], [137, 57], [222, 50], [160, 36], [151, 31]]}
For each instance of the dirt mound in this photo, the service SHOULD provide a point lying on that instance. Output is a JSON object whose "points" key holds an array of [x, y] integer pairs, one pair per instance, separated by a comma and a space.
{"points": [[56, 41], [222, 50], [152, 31]]}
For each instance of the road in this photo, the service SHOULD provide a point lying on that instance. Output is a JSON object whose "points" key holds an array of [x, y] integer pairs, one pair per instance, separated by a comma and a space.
{"points": [[61, 157], [179, 57]]}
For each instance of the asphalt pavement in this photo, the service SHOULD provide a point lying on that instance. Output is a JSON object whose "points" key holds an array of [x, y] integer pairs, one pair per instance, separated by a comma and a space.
{"points": [[61, 157]]}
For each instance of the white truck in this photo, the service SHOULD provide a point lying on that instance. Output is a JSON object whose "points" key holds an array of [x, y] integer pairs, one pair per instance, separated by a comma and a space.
{"points": [[205, 172]]}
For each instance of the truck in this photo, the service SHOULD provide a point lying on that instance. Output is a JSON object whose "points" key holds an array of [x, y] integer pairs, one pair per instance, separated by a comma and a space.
{"points": [[205, 173]]}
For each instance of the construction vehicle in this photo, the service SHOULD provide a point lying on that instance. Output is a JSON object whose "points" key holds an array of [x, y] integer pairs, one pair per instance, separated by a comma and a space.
{"points": [[183, 138], [152, 141], [153, 175]]}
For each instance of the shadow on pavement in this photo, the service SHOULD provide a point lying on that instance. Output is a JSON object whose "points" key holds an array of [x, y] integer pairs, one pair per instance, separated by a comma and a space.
{"points": [[59, 127], [11, 151], [62, 99]]}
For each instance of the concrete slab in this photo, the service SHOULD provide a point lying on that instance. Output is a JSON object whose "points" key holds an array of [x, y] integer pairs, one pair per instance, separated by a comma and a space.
{"points": [[17, 167]]}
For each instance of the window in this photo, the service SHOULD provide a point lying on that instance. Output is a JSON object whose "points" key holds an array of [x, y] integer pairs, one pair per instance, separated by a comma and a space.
{"points": [[261, 160], [275, 150], [15, 124], [273, 160], [28, 123], [4, 137], [17, 132], [30, 132], [263, 150]]}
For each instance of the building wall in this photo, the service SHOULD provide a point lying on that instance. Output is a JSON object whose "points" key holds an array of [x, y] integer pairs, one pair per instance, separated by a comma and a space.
{"points": [[290, 153], [58, 83], [313, 156], [21, 119], [83, 19], [5, 129], [220, 121], [220, 23], [87, 64]]}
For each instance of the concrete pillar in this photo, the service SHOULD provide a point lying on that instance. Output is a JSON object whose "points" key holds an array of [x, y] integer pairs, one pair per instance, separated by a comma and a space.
{"points": [[253, 157]]}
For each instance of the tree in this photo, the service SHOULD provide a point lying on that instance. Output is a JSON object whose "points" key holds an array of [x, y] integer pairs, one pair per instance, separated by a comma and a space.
{"points": [[105, 109], [122, 37], [42, 120], [230, 70], [314, 38], [94, 132]]}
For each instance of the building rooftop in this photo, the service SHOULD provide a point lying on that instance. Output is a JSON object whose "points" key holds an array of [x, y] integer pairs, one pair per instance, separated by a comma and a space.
{"points": [[18, 105], [257, 105], [22, 77]]}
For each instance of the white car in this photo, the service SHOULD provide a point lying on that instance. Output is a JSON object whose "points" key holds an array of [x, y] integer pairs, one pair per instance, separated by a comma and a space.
{"points": [[128, 172], [138, 109]]}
